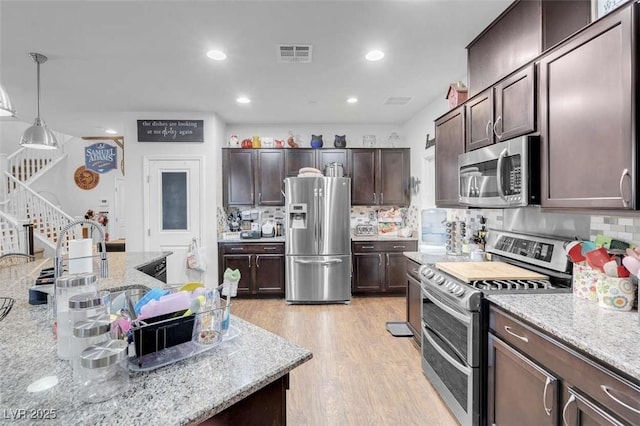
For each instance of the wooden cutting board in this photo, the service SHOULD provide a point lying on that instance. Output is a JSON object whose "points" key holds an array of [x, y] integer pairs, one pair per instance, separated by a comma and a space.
{"points": [[471, 271]]}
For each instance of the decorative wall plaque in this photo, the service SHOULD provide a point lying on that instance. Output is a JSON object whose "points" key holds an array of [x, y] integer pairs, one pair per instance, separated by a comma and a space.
{"points": [[100, 157], [170, 130], [86, 179]]}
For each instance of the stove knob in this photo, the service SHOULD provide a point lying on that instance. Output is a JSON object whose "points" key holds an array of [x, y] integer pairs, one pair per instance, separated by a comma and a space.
{"points": [[439, 279], [460, 292], [429, 273], [450, 285], [452, 288]]}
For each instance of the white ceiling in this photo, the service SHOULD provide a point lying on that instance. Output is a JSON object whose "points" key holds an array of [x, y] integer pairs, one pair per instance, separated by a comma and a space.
{"points": [[106, 57]]}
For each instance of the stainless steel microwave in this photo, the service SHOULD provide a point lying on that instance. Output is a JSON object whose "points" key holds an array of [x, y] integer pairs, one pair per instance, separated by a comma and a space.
{"points": [[506, 174]]}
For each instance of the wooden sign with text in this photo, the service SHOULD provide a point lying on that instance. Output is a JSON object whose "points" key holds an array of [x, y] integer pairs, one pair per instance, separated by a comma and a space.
{"points": [[170, 131]]}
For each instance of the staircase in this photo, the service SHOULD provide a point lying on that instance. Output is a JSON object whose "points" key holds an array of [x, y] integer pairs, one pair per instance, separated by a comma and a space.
{"points": [[23, 205]]}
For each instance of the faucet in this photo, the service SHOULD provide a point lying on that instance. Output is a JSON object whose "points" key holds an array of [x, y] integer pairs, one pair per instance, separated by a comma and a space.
{"points": [[58, 265]]}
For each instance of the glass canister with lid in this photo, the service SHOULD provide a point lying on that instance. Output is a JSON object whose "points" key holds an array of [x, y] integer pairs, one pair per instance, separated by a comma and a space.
{"points": [[92, 331], [86, 305], [67, 287], [103, 371]]}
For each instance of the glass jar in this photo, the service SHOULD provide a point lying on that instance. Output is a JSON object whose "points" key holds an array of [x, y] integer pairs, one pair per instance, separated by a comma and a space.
{"points": [[86, 305], [103, 371], [67, 287], [86, 333]]}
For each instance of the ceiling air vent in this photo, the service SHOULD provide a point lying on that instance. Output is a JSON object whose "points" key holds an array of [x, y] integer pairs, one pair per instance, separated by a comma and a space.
{"points": [[398, 100], [300, 53]]}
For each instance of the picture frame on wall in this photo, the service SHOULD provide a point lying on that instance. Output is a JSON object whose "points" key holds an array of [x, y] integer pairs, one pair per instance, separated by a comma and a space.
{"points": [[599, 8]]}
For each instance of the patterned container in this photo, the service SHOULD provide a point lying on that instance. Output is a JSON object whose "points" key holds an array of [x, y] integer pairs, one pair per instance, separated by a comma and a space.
{"points": [[585, 281], [616, 293]]}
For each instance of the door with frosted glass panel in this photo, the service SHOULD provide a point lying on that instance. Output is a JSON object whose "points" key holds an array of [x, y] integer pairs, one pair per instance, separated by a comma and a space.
{"points": [[174, 213]]}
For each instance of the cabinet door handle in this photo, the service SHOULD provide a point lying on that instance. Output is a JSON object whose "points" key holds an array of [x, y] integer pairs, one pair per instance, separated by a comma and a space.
{"points": [[544, 397], [625, 202], [259, 197], [495, 125], [387, 256], [572, 398], [249, 261], [379, 260], [397, 247], [486, 129], [610, 395], [375, 198], [269, 248], [251, 195], [382, 198], [368, 247], [508, 330], [257, 261], [237, 248]]}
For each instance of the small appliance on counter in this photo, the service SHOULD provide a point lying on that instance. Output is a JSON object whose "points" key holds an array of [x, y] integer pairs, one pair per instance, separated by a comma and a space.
{"points": [[366, 229], [268, 229], [251, 224]]}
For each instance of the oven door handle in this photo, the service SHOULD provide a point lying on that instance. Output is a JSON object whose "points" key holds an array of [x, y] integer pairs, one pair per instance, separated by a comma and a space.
{"points": [[457, 315], [459, 366]]}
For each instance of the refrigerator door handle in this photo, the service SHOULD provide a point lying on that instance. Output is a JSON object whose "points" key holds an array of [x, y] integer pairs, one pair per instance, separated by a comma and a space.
{"points": [[321, 207], [318, 262]]}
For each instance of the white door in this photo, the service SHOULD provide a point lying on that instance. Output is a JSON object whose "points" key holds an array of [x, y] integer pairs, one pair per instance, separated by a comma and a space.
{"points": [[119, 228], [173, 212]]}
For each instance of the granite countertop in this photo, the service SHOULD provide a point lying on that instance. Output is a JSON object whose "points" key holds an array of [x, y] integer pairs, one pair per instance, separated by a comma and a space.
{"points": [[606, 335], [381, 238], [432, 258], [183, 393], [262, 240]]}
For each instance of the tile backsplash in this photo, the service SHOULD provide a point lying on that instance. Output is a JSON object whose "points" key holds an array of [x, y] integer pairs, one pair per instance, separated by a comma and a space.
{"points": [[623, 228]]}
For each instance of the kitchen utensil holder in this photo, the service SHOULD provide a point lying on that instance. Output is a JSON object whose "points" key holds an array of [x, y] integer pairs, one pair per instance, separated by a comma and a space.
{"points": [[170, 338]]}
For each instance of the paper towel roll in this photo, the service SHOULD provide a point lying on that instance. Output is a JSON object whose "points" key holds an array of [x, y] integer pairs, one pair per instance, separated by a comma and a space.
{"points": [[80, 249]]}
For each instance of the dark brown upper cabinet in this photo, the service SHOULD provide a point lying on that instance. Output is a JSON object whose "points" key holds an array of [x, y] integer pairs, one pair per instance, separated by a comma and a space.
{"points": [[516, 37], [588, 123], [297, 158], [238, 177], [503, 111], [270, 177], [252, 177], [450, 142], [380, 176]]}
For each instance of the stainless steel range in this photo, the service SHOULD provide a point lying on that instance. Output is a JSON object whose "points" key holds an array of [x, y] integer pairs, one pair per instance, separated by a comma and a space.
{"points": [[454, 312]]}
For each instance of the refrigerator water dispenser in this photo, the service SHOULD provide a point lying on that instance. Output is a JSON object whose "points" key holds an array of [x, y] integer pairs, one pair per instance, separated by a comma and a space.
{"points": [[298, 216]]}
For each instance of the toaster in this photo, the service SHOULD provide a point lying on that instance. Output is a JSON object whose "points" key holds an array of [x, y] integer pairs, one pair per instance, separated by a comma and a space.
{"points": [[366, 230]]}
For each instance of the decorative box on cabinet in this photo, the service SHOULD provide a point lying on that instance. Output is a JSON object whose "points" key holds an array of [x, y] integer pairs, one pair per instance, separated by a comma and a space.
{"points": [[535, 379], [588, 116], [380, 176], [380, 266], [450, 131], [523, 31], [261, 266]]}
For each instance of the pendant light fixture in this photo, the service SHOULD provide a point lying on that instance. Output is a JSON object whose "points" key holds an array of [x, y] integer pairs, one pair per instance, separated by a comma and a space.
{"points": [[38, 136], [6, 107]]}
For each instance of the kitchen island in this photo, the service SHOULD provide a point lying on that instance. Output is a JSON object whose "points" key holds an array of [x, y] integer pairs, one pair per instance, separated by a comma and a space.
{"points": [[242, 377]]}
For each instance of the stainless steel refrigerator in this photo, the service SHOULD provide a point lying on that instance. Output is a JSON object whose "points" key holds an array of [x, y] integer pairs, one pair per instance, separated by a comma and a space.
{"points": [[318, 239]]}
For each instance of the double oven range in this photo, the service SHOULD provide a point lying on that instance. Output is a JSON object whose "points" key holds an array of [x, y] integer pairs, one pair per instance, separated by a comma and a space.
{"points": [[455, 317]]}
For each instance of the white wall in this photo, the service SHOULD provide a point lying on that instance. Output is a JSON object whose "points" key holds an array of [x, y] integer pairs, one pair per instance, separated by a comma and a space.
{"points": [[415, 131], [134, 157]]}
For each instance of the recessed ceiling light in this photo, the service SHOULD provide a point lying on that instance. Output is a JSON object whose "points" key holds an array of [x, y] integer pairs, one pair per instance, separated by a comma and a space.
{"points": [[111, 131], [217, 55], [374, 55], [352, 100], [243, 100]]}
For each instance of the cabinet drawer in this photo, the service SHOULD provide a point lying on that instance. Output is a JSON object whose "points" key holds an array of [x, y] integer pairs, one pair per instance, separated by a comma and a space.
{"points": [[272, 248], [619, 395], [387, 246]]}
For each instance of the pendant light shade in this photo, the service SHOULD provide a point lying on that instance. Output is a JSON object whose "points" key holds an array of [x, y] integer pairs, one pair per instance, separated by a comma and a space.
{"points": [[38, 136], [6, 107]]}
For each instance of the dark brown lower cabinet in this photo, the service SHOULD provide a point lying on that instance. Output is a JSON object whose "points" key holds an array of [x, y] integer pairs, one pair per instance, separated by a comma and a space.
{"points": [[261, 267], [414, 300], [380, 266], [536, 379], [517, 386]]}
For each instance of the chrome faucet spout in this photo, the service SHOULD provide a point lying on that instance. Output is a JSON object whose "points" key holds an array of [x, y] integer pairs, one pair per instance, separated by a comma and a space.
{"points": [[58, 265]]}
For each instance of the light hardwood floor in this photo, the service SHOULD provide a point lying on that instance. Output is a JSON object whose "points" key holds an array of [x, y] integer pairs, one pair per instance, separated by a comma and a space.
{"points": [[359, 374]]}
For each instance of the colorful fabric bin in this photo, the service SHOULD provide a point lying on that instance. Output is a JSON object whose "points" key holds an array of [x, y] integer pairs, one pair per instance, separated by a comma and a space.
{"points": [[585, 281]]}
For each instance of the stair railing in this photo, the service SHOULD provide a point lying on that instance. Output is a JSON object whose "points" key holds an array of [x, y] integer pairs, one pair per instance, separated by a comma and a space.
{"points": [[25, 164], [23, 203], [11, 235]]}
